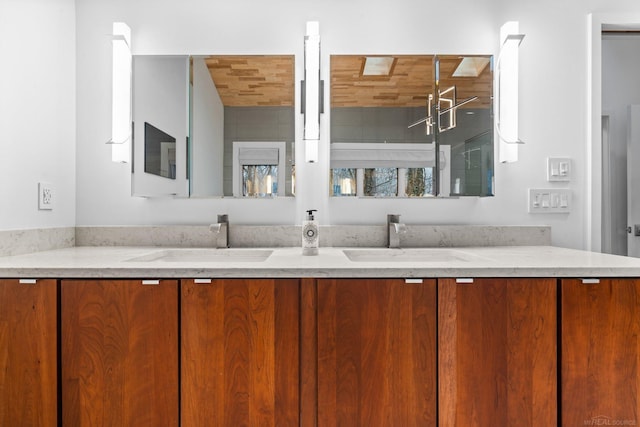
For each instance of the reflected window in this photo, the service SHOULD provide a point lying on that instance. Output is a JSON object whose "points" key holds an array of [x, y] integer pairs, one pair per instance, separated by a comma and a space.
{"points": [[259, 169], [381, 182], [343, 182], [387, 170], [259, 180], [419, 182]]}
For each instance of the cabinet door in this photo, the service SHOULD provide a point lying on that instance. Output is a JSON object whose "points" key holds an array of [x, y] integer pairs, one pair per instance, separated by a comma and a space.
{"points": [[497, 352], [28, 353], [119, 353], [600, 352], [240, 353], [376, 353]]}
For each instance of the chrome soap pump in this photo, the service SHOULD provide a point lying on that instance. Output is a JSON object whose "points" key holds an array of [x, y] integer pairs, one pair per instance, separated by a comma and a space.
{"points": [[310, 234]]}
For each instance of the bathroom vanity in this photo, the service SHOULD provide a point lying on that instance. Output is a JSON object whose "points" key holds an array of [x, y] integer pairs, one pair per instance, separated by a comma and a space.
{"points": [[358, 337]]}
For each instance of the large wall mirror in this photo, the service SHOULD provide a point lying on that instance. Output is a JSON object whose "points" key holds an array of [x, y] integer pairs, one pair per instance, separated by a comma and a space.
{"points": [[395, 117], [214, 125]]}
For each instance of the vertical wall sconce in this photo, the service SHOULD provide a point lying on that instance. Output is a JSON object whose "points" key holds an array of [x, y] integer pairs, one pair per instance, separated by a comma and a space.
{"points": [[312, 92], [507, 92], [121, 94]]}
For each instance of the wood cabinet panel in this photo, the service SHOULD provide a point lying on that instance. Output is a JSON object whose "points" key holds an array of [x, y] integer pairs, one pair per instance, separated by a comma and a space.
{"points": [[240, 353], [28, 353], [600, 352], [376, 352], [119, 352], [497, 352], [308, 353]]}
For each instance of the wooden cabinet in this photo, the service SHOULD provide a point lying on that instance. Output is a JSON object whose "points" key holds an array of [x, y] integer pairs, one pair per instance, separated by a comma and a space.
{"points": [[119, 353], [600, 352], [326, 352], [28, 353], [240, 344], [376, 353], [497, 352]]}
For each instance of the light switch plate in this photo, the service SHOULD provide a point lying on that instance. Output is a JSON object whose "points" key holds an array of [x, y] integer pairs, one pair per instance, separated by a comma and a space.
{"points": [[549, 200], [558, 169]]}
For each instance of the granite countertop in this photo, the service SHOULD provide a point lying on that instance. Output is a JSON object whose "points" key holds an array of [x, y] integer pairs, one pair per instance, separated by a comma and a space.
{"points": [[288, 262]]}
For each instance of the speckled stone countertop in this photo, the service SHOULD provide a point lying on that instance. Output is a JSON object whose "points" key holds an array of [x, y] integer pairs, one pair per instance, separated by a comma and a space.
{"points": [[288, 262]]}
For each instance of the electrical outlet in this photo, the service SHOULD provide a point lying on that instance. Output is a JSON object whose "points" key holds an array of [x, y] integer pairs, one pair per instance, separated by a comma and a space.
{"points": [[45, 196]]}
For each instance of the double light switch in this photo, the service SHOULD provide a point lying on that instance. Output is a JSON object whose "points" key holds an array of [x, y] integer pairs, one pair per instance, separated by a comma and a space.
{"points": [[558, 169]]}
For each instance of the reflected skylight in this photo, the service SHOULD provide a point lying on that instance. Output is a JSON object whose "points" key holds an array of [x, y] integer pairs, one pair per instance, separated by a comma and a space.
{"points": [[378, 65], [471, 66]]}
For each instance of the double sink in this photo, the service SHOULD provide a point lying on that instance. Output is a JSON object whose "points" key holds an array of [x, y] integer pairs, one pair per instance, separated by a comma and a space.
{"points": [[202, 255]]}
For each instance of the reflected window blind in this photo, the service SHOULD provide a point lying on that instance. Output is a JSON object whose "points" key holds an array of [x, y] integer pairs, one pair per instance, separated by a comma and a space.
{"points": [[258, 156], [376, 155]]}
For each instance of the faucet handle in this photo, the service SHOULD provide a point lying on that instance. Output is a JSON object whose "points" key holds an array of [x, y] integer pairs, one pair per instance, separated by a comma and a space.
{"points": [[400, 228], [393, 218]]}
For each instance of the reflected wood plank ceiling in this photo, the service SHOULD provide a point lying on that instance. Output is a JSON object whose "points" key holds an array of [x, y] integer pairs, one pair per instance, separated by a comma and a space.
{"points": [[410, 81], [269, 80], [253, 80], [408, 85]]}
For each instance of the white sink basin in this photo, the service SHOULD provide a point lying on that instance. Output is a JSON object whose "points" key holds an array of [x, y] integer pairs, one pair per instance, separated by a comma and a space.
{"points": [[438, 255], [205, 255]]}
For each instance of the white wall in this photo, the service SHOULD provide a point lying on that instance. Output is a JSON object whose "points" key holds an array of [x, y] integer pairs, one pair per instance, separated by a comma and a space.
{"points": [[37, 111], [207, 134], [553, 60]]}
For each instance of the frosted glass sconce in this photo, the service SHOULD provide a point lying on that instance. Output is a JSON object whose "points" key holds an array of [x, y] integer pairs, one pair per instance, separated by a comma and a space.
{"points": [[121, 94], [507, 88], [312, 92]]}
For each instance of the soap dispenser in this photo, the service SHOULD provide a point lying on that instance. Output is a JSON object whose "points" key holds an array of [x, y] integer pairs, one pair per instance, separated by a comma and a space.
{"points": [[310, 234]]}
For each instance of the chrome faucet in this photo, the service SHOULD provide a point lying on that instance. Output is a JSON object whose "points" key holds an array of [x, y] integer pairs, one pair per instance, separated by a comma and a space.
{"points": [[221, 229], [394, 229]]}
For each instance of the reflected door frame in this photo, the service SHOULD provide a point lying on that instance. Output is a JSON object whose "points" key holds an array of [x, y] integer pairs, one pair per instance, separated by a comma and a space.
{"points": [[593, 193]]}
